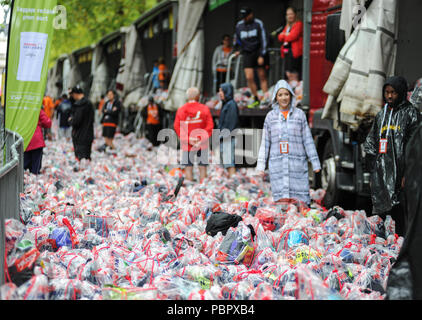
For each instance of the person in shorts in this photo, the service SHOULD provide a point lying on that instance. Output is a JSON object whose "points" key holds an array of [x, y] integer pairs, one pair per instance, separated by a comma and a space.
{"points": [[110, 118], [251, 42], [193, 125]]}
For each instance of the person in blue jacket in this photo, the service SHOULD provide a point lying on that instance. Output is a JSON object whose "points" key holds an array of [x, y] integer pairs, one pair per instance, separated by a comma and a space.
{"points": [[229, 120]]}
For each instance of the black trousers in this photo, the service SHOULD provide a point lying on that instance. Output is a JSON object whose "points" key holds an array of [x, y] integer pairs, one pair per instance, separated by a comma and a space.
{"points": [[398, 213], [221, 78], [152, 131], [33, 160], [82, 151]]}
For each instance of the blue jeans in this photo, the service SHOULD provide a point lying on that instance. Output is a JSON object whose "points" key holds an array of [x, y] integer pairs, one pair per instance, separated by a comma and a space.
{"points": [[227, 152]]}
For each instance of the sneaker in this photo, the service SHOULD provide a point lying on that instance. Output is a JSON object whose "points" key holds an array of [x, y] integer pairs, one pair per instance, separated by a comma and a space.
{"points": [[254, 105], [102, 148]]}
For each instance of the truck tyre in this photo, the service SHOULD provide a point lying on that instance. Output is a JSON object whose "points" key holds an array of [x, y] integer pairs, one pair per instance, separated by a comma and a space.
{"points": [[328, 176]]}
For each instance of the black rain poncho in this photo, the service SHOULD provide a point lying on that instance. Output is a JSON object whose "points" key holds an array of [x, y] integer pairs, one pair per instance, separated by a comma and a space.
{"points": [[405, 278], [83, 122], [387, 170]]}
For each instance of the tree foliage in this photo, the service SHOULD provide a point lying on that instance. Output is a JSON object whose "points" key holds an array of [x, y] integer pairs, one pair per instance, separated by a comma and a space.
{"points": [[89, 21]]}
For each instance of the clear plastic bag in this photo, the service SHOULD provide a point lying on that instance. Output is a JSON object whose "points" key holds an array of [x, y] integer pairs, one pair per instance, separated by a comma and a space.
{"points": [[236, 247]]}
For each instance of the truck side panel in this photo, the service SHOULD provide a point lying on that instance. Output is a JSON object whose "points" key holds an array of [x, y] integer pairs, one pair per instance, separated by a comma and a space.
{"points": [[409, 44]]}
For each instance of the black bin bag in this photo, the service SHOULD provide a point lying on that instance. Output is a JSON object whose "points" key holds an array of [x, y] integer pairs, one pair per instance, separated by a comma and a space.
{"points": [[221, 222]]}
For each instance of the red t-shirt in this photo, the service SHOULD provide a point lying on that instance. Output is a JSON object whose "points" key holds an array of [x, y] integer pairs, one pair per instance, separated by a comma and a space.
{"points": [[192, 116]]}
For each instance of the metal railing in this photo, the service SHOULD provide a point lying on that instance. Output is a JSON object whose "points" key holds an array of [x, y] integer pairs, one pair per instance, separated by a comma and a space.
{"points": [[11, 186]]}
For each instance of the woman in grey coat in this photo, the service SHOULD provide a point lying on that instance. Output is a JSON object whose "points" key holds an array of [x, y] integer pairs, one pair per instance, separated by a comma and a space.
{"points": [[287, 145]]}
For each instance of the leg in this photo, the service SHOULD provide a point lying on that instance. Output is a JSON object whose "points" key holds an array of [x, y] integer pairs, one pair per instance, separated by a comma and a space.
{"points": [[155, 131], [27, 160], [202, 173], [85, 151], [37, 161], [398, 216], [249, 74], [262, 75], [203, 156], [185, 161], [232, 171], [189, 173]]}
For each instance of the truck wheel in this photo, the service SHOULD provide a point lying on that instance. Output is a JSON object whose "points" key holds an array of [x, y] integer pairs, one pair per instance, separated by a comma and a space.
{"points": [[328, 176]]}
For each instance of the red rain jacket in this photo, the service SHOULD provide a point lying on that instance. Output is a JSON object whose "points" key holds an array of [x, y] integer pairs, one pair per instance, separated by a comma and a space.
{"points": [[191, 116], [295, 37], [37, 140]]}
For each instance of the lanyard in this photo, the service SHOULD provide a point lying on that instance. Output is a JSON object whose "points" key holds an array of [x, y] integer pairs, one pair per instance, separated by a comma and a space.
{"points": [[389, 121]]}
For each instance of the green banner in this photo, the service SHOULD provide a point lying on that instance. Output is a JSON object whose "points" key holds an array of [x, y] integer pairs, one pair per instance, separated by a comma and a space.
{"points": [[213, 4], [28, 50]]}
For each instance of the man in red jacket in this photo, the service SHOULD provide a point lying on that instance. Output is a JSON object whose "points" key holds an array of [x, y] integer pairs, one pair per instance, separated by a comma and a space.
{"points": [[193, 125], [34, 151]]}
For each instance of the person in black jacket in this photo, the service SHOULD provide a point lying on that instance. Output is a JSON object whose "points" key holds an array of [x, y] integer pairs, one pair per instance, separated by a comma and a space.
{"points": [[384, 148], [63, 113], [229, 120], [82, 121], [251, 39], [110, 118]]}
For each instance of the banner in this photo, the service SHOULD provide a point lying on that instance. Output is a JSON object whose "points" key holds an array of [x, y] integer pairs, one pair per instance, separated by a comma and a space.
{"points": [[30, 36], [216, 3]]}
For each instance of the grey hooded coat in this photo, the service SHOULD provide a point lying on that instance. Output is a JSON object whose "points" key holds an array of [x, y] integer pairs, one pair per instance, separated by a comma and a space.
{"points": [[288, 172]]}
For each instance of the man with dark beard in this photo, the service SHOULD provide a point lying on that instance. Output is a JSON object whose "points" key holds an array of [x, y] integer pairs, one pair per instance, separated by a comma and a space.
{"points": [[385, 150]]}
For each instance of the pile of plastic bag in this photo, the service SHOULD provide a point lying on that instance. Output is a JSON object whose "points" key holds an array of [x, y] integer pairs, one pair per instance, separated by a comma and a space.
{"points": [[244, 99], [115, 229]]}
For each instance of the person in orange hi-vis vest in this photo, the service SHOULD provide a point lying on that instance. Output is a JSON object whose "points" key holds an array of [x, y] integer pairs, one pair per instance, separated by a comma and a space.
{"points": [[152, 115], [162, 73]]}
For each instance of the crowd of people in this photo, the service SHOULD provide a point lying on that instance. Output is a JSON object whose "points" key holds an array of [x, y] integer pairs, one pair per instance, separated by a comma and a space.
{"points": [[286, 147], [251, 42], [287, 144]]}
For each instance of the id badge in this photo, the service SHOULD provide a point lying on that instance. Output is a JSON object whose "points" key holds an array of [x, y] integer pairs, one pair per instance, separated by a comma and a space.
{"points": [[383, 146], [284, 147]]}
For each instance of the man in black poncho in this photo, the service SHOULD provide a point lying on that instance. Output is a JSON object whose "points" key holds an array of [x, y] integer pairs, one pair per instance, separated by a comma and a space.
{"points": [[82, 121], [385, 149]]}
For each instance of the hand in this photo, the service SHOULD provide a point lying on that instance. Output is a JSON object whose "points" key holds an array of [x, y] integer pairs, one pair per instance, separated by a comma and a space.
{"points": [[261, 61], [114, 109], [193, 141], [197, 145], [402, 182], [317, 171], [237, 53], [261, 174]]}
